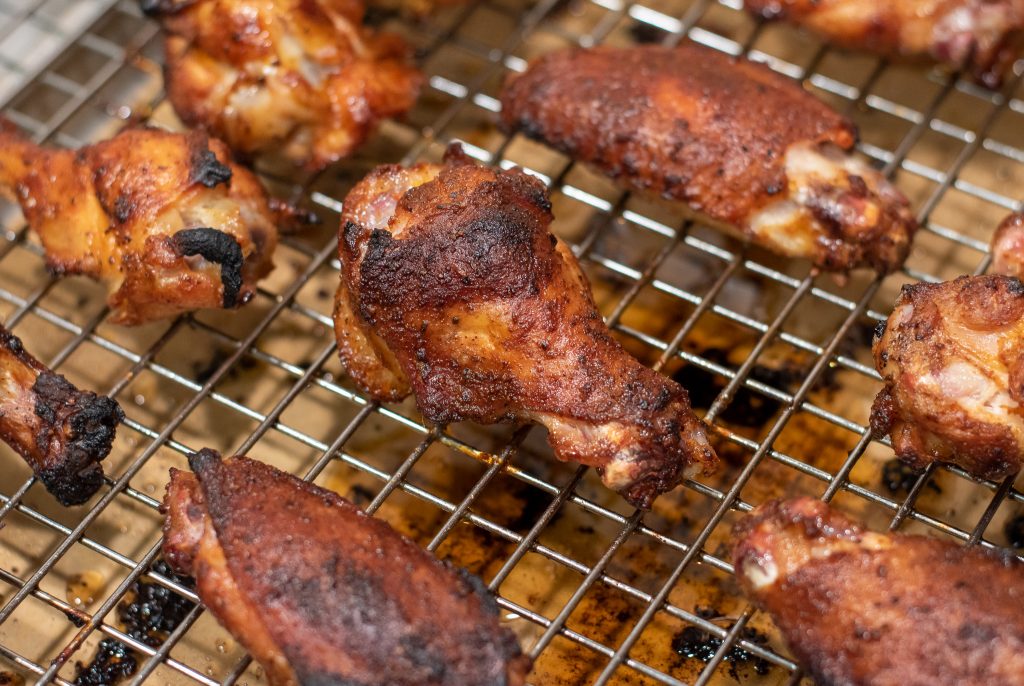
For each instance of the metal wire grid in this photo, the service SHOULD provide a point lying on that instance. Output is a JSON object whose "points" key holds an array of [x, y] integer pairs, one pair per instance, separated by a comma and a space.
{"points": [[470, 98]]}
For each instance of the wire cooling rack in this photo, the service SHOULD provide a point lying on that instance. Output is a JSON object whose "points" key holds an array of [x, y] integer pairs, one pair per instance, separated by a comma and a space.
{"points": [[776, 357]]}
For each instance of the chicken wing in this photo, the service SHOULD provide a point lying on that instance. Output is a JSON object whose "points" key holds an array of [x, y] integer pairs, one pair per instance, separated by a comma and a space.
{"points": [[747, 147], [1008, 247], [952, 359], [454, 287], [164, 219], [859, 608], [979, 36], [322, 594], [302, 78], [61, 432]]}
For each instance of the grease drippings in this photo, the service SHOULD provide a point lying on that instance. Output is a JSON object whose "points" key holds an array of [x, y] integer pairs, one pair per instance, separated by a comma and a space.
{"points": [[697, 644]]}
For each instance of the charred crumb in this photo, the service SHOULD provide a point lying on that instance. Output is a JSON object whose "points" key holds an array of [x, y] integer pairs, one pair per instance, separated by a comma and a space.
{"points": [[149, 613], [899, 477], [697, 644], [11, 679], [208, 170], [113, 662], [644, 33], [1015, 530], [153, 611]]}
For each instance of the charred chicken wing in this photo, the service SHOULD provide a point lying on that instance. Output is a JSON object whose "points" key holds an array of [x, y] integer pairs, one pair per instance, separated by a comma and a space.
{"points": [[63, 433], [302, 78], [745, 146], [164, 219], [322, 594], [979, 36], [453, 287], [1008, 247], [864, 609], [952, 359]]}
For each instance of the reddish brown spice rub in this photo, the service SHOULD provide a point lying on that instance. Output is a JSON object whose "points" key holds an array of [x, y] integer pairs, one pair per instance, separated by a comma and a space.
{"points": [[746, 146], [864, 609], [454, 288], [320, 593]]}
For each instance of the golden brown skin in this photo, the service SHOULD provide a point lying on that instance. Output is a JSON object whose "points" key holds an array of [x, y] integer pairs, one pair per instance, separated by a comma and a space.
{"points": [[1008, 247], [453, 287], [982, 37], [61, 432], [864, 609], [952, 359], [302, 78], [164, 219], [320, 593], [747, 147]]}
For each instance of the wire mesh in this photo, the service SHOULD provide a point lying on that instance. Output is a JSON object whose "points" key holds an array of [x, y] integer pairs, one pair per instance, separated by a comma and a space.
{"points": [[776, 357]]}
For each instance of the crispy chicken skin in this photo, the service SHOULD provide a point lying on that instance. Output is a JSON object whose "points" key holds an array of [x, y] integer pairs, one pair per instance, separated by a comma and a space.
{"points": [[1008, 247], [453, 286], [747, 147], [979, 36], [61, 432], [164, 219], [323, 595], [859, 608], [302, 78], [951, 356]]}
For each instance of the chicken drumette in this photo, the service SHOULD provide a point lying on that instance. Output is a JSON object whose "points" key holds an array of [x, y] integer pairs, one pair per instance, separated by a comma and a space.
{"points": [[952, 359], [1008, 247], [302, 78], [864, 609], [453, 287], [61, 432], [322, 594], [979, 36], [164, 219], [745, 146]]}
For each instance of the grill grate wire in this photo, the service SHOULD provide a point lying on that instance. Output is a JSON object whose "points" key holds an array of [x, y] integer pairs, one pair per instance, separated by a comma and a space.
{"points": [[77, 101]]}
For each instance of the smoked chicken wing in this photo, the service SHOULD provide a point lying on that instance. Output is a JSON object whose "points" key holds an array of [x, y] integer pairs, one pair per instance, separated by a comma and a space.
{"points": [[1008, 247], [61, 432], [982, 37], [320, 593], [454, 288], [164, 219], [302, 78], [745, 146], [864, 609], [952, 359]]}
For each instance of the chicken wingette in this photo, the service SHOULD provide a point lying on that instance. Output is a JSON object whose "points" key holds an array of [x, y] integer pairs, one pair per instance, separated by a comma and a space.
{"points": [[745, 146], [859, 608], [454, 288], [299, 78], [320, 593], [982, 37], [951, 356], [164, 219], [61, 432]]}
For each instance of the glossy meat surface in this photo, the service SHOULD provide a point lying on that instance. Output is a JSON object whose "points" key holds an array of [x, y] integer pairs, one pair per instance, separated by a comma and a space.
{"points": [[982, 37], [864, 609], [1008, 247], [453, 287], [745, 146], [164, 219], [299, 78], [952, 359], [63, 433], [323, 595]]}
